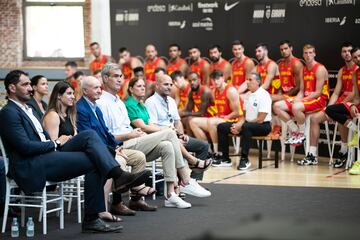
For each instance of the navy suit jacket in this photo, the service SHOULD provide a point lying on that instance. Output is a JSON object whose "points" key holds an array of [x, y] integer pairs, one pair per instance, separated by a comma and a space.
{"points": [[86, 120], [23, 145]]}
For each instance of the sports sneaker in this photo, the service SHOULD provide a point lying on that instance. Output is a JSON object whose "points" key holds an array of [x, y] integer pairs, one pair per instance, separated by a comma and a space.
{"points": [[244, 164], [216, 159], [193, 188], [223, 162], [291, 138], [309, 159], [354, 140], [174, 201], [299, 139], [355, 169], [340, 162]]}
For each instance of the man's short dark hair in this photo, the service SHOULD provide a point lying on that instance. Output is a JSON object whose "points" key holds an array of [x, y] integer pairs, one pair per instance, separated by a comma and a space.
{"points": [[263, 45], [237, 42], [13, 77], [123, 49], [346, 44], [71, 64], [215, 46], [354, 49], [138, 69], [77, 74], [285, 42], [192, 72], [159, 69], [175, 45], [194, 46], [216, 74], [176, 74], [94, 43]]}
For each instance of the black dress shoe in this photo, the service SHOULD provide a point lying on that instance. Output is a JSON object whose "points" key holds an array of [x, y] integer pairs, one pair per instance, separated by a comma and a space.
{"points": [[129, 180], [141, 205], [99, 226], [122, 210]]}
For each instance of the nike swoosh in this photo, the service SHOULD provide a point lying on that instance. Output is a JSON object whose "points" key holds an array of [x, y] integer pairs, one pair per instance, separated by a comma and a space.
{"points": [[229, 7]]}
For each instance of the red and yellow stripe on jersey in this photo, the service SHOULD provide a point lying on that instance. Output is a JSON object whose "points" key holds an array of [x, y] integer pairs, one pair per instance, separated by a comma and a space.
{"points": [[149, 68], [183, 94], [196, 96]]}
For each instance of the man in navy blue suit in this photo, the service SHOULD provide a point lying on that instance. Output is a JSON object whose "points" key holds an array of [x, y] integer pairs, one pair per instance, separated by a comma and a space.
{"points": [[34, 159], [89, 116]]}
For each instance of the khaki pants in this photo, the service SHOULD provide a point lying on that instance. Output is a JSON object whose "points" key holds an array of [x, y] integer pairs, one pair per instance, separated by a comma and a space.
{"points": [[136, 160], [163, 144]]}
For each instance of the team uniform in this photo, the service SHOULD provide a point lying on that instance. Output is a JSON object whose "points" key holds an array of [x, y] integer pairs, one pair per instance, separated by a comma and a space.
{"points": [[346, 79], [127, 71], [173, 66], [357, 79], [196, 96], [149, 68], [314, 104], [275, 82], [197, 67], [287, 77], [183, 94], [98, 65], [219, 66], [223, 106], [238, 72]]}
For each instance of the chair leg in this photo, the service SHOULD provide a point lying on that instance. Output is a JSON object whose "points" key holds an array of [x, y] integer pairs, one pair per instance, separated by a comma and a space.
{"points": [[260, 153], [61, 205], [6, 207], [237, 145], [268, 145], [44, 203], [22, 211], [328, 141], [333, 144], [153, 168], [277, 156], [283, 136], [292, 151], [78, 197]]}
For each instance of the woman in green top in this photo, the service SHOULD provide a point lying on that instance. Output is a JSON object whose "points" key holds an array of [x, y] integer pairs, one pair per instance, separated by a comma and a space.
{"points": [[140, 118]]}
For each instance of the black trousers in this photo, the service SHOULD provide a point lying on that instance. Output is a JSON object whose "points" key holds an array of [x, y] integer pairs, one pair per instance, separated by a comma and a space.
{"points": [[247, 131], [338, 113], [85, 154]]}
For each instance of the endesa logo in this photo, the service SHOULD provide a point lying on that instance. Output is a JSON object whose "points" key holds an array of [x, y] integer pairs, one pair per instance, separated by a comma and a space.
{"points": [[310, 3], [156, 8]]}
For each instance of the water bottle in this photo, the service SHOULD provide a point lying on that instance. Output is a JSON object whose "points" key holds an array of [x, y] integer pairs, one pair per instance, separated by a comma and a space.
{"points": [[30, 227], [14, 228]]}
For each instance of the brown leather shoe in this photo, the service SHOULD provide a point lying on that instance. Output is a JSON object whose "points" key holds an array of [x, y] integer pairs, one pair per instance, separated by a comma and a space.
{"points": [[141, 205], [121, 209]]}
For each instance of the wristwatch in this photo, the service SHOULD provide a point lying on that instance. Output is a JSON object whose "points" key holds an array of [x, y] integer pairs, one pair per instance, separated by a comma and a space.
{"points": [[58, 143]]}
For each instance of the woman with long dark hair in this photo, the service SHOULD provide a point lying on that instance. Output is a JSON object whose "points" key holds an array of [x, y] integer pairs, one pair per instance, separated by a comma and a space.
{"points": [[40, 87]]}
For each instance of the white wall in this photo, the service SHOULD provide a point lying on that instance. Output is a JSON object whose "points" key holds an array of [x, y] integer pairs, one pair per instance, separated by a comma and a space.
{"points": [[100, 24]]}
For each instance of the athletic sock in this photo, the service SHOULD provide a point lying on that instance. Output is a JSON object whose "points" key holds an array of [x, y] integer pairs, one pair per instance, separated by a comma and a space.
{"points": [[292, 125], [302, 127], [216, 147], [344, 148], [313, 151]]}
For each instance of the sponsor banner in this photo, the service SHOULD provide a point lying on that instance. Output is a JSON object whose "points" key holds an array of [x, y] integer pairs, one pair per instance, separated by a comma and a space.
{"points": [[180, 7], [228, 6], [127, 17], [336, 20], [310, 3], [357, 21], [274, 13], [156, 8], [330, 3], [208, 7], [177, 24], [205, 23]]}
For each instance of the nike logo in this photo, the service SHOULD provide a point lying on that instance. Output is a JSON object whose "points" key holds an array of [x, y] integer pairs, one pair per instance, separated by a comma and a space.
{"points": [[228, 7]]}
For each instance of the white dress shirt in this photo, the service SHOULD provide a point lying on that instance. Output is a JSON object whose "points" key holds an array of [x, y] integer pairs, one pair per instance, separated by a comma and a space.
{"points": [[258, 101]]}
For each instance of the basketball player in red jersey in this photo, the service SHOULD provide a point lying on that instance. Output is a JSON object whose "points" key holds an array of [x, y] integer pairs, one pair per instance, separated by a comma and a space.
{"points": [[200, 102], [312, 96], [127, 63], [227, 102], [343, 93], [181, 89], [267, 69], [242, 66], [175, 61], [345, 112], [219, 63], [199, 65], [99, 60], [290, 69]]}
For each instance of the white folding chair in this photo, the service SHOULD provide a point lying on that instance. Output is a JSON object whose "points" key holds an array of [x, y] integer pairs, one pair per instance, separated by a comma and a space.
{"points": [[37, 200], [74, 188], [156, 172]]}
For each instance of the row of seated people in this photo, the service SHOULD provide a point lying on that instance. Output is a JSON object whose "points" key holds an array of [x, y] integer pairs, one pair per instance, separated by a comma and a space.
{"points": [[98, 131], [303, 90], [296, 91]]}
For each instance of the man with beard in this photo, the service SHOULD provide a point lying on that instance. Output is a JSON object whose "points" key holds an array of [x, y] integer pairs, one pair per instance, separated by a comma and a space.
{"points": [[100, 59], [199, 65], [176, 63], [200, 102], [219, 63]]}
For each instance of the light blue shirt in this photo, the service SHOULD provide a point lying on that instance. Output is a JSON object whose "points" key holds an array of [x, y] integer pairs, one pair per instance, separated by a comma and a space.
{"points": [[162, 112]]}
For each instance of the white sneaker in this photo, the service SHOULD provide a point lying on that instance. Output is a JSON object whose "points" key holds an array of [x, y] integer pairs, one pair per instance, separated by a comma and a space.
{"points": [[174, 201], [194, 189]]}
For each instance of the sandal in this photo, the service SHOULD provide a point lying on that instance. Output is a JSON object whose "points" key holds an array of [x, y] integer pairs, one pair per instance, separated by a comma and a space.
{"points": [[149, 192], [112, 219], [207, 164]]}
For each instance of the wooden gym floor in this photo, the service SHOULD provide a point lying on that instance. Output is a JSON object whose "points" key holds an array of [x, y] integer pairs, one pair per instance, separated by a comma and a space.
{"points": [[288, 174]]}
